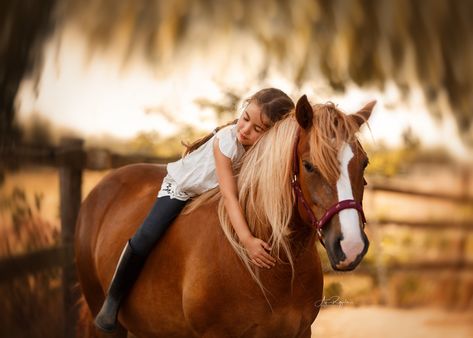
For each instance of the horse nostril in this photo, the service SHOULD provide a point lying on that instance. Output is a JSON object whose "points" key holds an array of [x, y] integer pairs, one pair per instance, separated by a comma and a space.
{"points": [[339, 254]]}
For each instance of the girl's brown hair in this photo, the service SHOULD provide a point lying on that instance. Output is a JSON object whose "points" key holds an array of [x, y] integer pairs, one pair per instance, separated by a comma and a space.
{"points": [[273, 102]]}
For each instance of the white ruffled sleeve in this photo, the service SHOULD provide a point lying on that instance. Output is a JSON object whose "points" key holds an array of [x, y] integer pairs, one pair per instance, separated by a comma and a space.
{"points": [[227, 141]]}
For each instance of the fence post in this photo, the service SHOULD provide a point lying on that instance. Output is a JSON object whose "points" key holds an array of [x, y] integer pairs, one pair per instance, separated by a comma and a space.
{"points": [[72, 158], [456, 298], [381, 273]]}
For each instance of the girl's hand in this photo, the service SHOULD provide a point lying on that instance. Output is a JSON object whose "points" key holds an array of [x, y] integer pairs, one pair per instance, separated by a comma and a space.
{"points": [[257, 251]]}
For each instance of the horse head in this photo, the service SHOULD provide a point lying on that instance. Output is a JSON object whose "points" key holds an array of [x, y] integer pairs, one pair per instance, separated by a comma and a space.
{"points": [[329, 166]]}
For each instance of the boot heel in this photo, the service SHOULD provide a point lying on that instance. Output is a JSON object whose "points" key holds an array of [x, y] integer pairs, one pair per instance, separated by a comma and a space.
{"points": [[128, 268]]}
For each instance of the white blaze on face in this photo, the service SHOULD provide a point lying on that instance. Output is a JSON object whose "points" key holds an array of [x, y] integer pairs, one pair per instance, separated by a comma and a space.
{"points": [[352, 243]]}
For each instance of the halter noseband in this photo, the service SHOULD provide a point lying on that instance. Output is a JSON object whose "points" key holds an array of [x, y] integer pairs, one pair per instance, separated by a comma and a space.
{"points": [[335, 209]]}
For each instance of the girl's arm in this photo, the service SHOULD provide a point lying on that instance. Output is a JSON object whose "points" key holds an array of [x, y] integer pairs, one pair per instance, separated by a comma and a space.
{"points": [[255, 246]]}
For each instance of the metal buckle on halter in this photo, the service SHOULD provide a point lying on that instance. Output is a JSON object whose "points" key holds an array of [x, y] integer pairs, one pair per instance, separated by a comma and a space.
{"points": [[320, 236], [294, 178]]}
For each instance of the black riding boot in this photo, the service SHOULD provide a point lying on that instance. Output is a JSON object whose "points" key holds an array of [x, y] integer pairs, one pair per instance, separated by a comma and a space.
{"points": [[134, 255], [126, 273]]}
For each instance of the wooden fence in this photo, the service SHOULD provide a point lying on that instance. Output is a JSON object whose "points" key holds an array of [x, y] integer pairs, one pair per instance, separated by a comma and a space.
{"points": [[71, 159]]}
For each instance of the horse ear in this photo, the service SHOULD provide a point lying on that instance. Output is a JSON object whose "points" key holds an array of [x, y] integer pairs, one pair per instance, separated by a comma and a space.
{"points": [[364, 113], [304, 112]]}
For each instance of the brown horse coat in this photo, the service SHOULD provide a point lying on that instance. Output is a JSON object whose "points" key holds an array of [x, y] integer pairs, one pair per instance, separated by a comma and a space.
{"points": [[193, 283]]}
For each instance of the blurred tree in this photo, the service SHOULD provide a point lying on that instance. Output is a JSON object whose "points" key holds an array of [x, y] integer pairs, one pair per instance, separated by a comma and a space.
{"points": [[38, 130], [363, 41], [24, 26]]}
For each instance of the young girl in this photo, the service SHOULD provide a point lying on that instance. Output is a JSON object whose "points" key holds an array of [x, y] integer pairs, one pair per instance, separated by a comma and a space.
{"points": [[208, 162]]}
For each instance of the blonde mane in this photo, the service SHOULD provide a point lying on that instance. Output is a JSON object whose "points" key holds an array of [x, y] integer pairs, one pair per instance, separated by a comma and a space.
{"points": [[264, 180], [331, 129], [265, 192]]}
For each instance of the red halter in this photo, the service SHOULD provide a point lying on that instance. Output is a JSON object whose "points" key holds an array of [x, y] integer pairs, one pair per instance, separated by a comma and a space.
{"points": [[335, 209]]}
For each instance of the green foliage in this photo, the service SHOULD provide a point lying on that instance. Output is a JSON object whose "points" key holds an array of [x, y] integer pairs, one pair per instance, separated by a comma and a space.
{"points": [[389, 162], [145, 143], [407, 290], [151, 143], [333, 290]]}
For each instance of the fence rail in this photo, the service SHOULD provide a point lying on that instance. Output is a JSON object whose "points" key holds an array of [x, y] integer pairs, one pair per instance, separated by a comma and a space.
{"points": [[37, 261], [434, 225], [459, 198], [424, 267], [76, 156]]}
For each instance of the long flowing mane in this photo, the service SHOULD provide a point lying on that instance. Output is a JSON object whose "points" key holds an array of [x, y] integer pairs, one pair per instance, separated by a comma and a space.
{"points": [[265, 192], [264, 180]]}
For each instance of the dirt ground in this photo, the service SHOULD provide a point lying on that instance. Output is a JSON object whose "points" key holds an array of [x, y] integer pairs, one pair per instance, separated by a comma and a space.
{"points": [[381, 322]]}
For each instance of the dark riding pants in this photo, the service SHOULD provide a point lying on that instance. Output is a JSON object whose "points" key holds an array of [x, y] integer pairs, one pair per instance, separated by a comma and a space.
{"points": [[161, 215]]}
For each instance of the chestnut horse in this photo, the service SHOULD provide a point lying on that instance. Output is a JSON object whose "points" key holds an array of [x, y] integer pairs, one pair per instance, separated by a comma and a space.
{"points": [[194, 283]]}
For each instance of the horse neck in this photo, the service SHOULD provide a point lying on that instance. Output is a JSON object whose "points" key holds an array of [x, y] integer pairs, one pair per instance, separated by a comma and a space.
{"points": [[305, 258], [303, 237]]}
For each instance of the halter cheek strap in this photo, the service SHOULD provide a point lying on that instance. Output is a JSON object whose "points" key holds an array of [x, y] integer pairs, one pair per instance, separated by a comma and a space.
{"points": [[335, 209]]}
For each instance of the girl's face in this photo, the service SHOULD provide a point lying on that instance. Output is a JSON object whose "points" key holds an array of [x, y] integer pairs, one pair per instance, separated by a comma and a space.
{"points": [[251, 125]]}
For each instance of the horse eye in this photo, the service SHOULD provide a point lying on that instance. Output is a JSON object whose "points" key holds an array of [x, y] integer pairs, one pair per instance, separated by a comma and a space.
{"points": [[308, 166]]}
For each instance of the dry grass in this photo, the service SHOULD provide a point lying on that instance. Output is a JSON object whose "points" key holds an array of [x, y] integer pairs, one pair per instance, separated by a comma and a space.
{"points": [[30, 304]]}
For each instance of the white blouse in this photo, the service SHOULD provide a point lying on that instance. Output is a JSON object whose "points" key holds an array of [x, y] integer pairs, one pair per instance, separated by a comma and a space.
{"points": [[195, 173]]}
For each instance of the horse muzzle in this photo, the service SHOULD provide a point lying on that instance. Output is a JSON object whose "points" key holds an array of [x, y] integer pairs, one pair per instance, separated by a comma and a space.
{"points": [[346, 255]]}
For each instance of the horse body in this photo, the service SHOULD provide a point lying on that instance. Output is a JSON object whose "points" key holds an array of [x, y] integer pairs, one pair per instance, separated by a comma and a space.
{"points": [[196, 282], [192, 284]]}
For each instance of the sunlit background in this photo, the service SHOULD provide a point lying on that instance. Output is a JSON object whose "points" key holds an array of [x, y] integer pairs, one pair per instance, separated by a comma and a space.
{"points": [[137, 77]]}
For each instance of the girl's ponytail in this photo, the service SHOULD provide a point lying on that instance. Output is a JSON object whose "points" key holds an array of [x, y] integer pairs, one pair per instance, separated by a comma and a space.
{"points": [[190, 147]]}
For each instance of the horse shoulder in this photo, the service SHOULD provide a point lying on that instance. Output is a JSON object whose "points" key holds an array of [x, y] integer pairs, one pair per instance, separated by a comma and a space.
{"points": [[213, 277]]}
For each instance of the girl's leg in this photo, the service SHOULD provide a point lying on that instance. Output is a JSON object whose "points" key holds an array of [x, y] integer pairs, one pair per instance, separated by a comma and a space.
{"points": [[161, 215], [134, 256]]}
